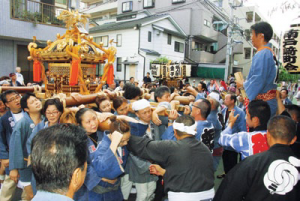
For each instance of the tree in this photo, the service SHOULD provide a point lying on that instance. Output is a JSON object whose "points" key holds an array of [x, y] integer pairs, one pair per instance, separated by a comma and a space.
{"points": [[161, 60], [284, 75]]}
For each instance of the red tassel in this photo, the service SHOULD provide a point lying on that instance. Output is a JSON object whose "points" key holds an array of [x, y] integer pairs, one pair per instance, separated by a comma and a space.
{"points": [[246, 104], [74, 72], [110, 75], [37, 69]]}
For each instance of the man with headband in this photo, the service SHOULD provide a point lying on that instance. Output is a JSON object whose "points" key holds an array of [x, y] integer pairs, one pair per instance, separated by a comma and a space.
{"points": [[186, 164], [137, 169]]}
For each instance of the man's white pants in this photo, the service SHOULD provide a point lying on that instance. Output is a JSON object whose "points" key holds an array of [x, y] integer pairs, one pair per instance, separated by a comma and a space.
{"points": [[145, 191]]}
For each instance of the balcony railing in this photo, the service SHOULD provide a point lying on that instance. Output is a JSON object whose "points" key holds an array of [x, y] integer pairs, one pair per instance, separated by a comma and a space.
{"points": [[102, 3], [36, 12]]}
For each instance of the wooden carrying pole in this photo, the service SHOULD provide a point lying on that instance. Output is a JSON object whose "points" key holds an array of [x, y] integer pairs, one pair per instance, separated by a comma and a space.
{"points": [[23, 90], [239, 77]]}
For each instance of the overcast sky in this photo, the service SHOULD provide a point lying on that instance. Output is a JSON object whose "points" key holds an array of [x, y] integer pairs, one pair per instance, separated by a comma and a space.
{"points": [[281, 13]]}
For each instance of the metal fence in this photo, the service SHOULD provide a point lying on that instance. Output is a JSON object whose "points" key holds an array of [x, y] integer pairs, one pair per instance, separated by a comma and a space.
{"points": [[36, 12]]}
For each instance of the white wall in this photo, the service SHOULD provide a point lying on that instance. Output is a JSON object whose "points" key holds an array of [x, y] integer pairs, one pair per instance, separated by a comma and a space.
{"points": [[129, 47], [159, 42], [130, 44]]}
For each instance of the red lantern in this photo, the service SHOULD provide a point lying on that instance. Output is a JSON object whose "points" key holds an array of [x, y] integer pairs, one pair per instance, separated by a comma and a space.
{"points": [[74, 71], [110, 74], [37, 69]]}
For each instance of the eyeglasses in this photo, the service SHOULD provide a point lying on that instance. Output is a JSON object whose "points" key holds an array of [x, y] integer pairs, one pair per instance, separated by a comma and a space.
{"points": [[17, 97], [196, 106], [52, 113]]}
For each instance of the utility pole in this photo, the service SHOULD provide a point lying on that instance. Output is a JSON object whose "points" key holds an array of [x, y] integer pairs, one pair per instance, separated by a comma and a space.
{"points": [[229, 38], [228, 47]]}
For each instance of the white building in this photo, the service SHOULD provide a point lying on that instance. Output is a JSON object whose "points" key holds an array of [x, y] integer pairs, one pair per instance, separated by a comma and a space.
{"points": [[101, 11], [202, 21], [141, 41], [245, 17]]}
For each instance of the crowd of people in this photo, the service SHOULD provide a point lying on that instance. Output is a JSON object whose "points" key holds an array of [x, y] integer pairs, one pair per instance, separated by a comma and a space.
{"points": [[104, 150]]}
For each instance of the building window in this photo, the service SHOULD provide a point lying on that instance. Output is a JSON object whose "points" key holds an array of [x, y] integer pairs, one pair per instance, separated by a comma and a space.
{"points": [[257, 18], [249, 17], [61, 2], [214, 47], [218, 3], [149, 36], [207, 23], [148, 3], [104, 40], [127, 6], [178, 1], [198, 46], [119, 40], [97, 40], [126, 17], [178, 47], [247, 53], [247, 34], [237, 69], [169, 39], [119, 64]]}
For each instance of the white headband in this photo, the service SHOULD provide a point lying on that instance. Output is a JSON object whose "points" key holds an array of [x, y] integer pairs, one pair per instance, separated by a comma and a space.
{"points": [[215, 96], [140, 104], [186, 129]]}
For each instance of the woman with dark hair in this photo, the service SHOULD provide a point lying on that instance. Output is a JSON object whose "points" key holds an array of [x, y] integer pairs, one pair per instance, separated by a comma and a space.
{"points": [[105, 161], [103, 104], [52, 110], [121, 105]]}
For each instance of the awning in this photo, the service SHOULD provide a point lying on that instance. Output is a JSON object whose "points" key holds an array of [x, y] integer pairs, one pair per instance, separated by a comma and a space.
{"points": [[126, 62], [205, 38], [151, 52], [168, 31], [207, 72]]}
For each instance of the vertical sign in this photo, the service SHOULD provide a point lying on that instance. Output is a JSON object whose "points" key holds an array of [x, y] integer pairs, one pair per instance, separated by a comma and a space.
{"points": [[291, 50]]}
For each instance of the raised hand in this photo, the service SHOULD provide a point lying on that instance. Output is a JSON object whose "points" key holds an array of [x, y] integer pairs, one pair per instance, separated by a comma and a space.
{"points": [[173, 114], [232, 119]]}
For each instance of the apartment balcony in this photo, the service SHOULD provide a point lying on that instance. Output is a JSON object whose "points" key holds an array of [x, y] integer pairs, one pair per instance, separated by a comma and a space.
{"points": [[91, 1], [220, 56], [104, 20], [104, 6], [36, 12], [202, 56], [23, 19]]}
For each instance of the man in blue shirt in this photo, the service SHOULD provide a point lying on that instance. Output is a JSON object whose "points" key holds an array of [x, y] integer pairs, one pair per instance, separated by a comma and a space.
{"points": [[11, 99], [59, 151], [229, 155], [284, 97], [249, 143], [262, 77], [18, 155], [205, 129]]}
